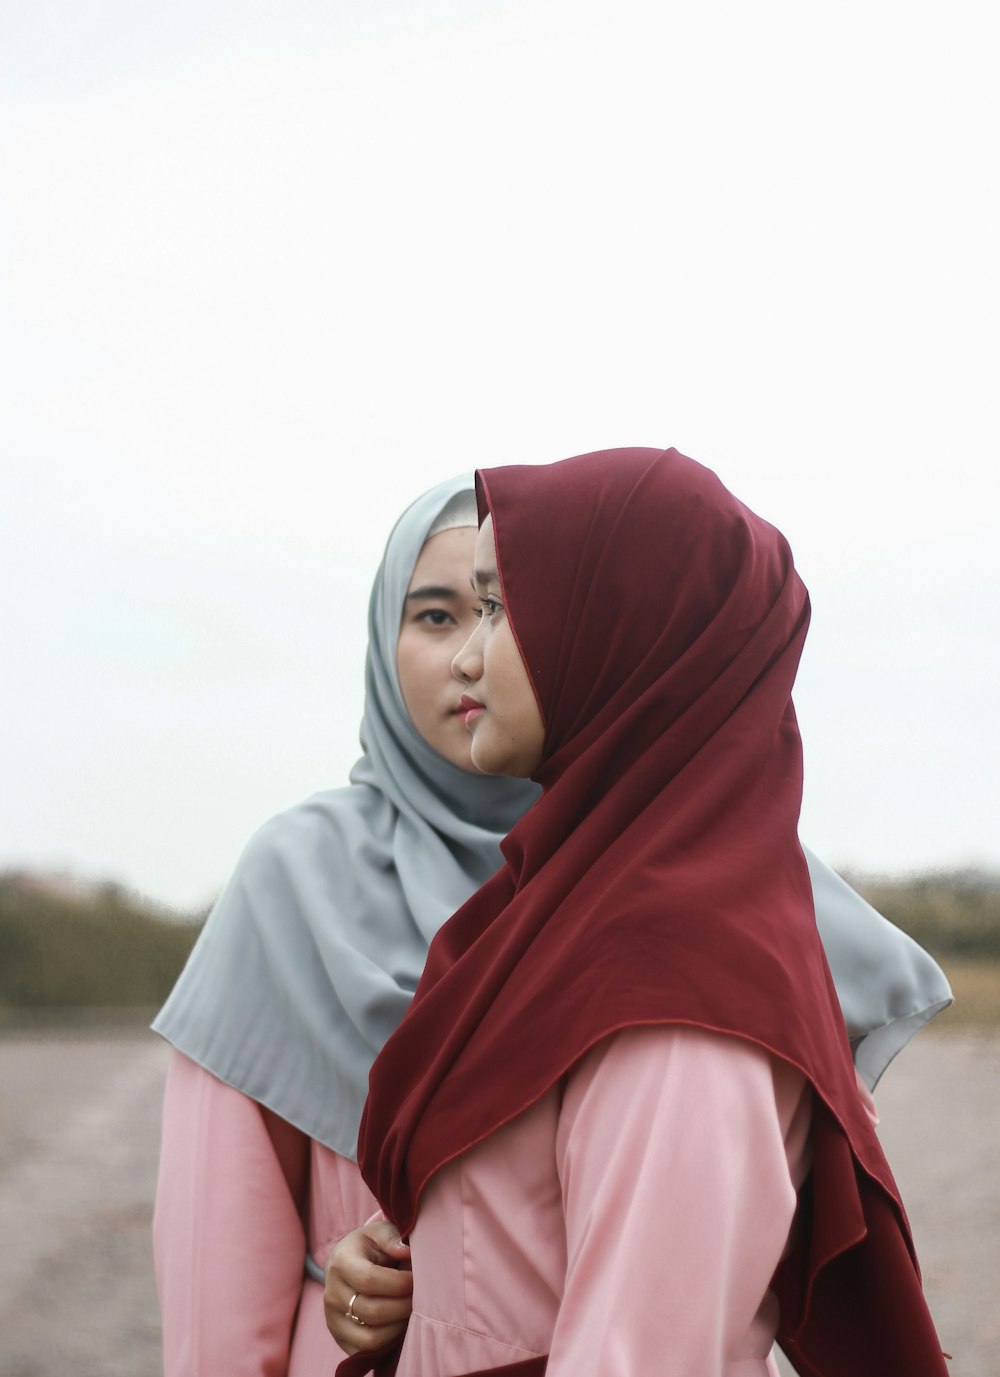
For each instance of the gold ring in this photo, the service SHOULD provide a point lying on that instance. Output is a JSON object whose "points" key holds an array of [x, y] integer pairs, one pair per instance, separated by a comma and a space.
{"points": [[349, 1312]]}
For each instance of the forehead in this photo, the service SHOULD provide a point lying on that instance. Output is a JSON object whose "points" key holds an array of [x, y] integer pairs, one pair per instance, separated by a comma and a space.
{"points": [[446, 558], [486, 554]]}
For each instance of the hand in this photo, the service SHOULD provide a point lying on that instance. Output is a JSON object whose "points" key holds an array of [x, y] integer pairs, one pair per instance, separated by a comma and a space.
{"points": [[372, 1264]]}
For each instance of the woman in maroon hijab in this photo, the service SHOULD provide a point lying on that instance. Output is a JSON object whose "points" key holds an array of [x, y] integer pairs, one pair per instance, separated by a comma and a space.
{"points": [[619, 1125]]}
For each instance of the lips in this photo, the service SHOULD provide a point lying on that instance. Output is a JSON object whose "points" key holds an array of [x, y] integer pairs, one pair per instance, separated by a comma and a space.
{"points": [[470, 709]]}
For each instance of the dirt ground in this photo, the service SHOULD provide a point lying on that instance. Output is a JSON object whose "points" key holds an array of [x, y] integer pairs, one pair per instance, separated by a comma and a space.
{"points": [[79, 1124]]}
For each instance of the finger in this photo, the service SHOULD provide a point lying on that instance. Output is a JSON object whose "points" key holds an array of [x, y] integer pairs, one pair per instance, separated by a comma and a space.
{"points": [[384, 1235], [385, 1281], [366, 1340], [357, 1334], [374, 1312], [346, 1273], [384, 1322], [374, 1241], [369, 1310], [382, 1252]]}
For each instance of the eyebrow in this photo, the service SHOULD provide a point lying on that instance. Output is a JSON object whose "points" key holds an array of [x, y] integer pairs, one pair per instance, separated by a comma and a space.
{"points": [[432, 590], [482, 578]]}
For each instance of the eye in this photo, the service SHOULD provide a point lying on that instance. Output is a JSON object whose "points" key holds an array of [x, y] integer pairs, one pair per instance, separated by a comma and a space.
{"points": [[488, 607], [436, 616]]}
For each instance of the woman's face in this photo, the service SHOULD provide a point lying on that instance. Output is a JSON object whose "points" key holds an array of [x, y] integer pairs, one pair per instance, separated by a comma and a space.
{"points": [[439, 614], [502, 713]]}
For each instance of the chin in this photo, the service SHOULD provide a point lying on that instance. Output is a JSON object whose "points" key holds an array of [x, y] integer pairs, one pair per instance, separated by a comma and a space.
{"points": [[488, 763], [504, 763]]}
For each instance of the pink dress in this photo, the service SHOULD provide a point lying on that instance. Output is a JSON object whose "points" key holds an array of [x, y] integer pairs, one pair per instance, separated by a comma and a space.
{"points": [[240, 1196], [628, 1223]]}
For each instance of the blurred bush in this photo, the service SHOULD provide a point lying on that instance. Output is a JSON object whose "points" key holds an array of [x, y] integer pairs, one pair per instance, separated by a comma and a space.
{"points": [[951, 913], [66, 945], [74, 946]]}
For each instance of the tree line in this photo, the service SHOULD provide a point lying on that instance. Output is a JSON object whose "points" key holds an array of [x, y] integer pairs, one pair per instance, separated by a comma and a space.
{"points": [[101, 947]]}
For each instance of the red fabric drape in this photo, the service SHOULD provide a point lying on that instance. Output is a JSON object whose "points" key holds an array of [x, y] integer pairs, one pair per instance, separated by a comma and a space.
{"points": [[659, 878]]}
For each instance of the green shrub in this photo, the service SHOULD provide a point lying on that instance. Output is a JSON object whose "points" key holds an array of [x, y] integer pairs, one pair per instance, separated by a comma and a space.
{"points": [[954, 913], [108, 949], [97, 949]]}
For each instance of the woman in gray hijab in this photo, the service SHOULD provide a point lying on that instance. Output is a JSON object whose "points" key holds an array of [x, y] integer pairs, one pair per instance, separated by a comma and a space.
{"points": [[311, 955]]}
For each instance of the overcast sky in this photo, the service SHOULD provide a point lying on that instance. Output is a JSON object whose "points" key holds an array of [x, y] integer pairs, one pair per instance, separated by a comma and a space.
{"points": [[267, 271]]}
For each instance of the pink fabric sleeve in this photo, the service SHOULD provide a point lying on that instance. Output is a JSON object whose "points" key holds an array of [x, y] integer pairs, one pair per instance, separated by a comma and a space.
{"points": [[867, 1099], [674, 1151], [228, 1237]]}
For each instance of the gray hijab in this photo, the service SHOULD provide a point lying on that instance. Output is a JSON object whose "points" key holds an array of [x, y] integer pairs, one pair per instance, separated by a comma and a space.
{"points": [[888, 986], [310, 957]]}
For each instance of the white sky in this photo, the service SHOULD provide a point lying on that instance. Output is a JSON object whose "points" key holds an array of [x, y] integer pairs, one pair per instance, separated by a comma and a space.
{"points": [[269, 270]]}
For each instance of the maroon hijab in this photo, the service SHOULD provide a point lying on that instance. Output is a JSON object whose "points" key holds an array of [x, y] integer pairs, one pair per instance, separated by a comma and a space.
{"points": [[659, 877]]}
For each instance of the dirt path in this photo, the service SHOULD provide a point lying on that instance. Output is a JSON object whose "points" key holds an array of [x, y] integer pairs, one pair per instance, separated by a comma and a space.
{"points": [[78, 1144], [79, 1125], [941, 1132]]}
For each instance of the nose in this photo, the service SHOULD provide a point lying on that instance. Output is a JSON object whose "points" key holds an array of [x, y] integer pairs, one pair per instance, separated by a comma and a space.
{"points": [[467, 665]]}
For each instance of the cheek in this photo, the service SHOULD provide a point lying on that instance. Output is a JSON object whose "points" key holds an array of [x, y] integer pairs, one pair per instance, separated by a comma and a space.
{"points": [[404, 660], [412, 670], [519, 698], [423, 664]]}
